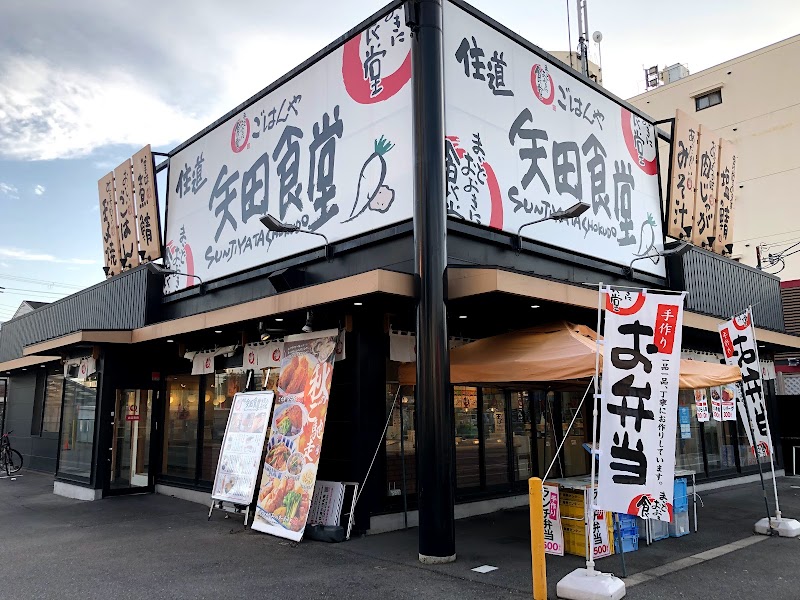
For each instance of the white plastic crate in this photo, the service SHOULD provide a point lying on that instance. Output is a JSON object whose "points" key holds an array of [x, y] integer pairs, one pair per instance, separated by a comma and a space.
{"points": [[680, 524], [659, 530]]}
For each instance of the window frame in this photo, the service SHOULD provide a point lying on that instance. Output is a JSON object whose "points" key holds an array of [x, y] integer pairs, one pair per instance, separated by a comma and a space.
{"points": [[708, 97]]}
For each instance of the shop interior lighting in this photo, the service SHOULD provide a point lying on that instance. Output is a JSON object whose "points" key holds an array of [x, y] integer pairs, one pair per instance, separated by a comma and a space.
{"points": [[462, 316], [358, 304], [535, 306], [279, 319], [218, 331], [273, 224], [573, 211], [679, 250]]}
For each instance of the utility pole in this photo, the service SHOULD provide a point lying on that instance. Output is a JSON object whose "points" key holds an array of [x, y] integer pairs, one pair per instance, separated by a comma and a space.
{"points": [[435, 460], [583, 36]]}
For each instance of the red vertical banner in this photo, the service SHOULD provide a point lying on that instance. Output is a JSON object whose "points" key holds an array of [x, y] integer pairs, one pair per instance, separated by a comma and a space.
{"points": [[298, 423]]}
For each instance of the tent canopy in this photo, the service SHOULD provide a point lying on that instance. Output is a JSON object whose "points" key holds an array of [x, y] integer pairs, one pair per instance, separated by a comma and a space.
{"points": [[556, 352]]}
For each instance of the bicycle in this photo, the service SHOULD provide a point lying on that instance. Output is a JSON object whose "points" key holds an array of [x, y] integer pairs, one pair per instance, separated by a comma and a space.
{"points": [[10, 459]]}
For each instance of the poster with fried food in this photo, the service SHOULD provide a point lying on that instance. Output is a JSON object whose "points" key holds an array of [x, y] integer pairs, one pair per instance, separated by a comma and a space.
{"points": [[295, 441], [242, 445]]}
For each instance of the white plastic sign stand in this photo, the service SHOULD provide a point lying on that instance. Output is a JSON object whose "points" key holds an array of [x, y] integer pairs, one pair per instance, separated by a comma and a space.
{"points": [[588, 584]]}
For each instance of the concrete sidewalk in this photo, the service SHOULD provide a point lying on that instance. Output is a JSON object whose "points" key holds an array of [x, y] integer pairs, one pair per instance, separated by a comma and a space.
{"points": [[159, 547]]}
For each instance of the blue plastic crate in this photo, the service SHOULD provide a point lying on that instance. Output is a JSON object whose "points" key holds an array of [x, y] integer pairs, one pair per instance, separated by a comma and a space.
{"points": [[626, 532], [626, 520], [630, 544], [680, 496]]}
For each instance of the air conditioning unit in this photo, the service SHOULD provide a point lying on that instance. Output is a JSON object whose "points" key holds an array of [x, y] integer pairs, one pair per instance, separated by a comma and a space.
{"points": [[673, 73]]}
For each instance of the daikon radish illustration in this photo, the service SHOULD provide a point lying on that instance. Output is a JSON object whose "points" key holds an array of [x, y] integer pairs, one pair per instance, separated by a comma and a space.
{"points": [[380, 196]]}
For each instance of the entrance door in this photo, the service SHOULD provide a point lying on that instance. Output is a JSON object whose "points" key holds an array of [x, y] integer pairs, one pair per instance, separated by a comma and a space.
{"points": [[131, 442]]}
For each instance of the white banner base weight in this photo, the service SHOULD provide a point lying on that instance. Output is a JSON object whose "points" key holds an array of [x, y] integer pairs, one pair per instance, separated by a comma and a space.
{"points": [[583, 585], [785, 527]]}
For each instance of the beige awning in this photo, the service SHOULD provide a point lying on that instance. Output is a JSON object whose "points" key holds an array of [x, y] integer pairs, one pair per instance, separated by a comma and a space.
{"points": [[555, 352]]}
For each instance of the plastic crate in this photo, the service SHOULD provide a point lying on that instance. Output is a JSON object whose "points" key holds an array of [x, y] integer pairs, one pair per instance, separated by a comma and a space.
{"points": [[571, 503], [679, 526], [659, 530], [680, 497], [626, 520], [575, 536], [629, 544]]}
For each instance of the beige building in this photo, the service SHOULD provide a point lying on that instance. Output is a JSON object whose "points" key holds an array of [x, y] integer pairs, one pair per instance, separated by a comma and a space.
{"points": [[573, 59], [754, 101]]}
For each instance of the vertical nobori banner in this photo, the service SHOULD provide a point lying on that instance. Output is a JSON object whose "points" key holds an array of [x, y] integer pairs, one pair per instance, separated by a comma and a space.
{"points": [[740, 348], [298, 422], [641, 368]]}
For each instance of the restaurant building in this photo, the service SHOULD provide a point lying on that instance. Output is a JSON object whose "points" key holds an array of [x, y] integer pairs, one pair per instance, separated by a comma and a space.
{"points": [[100, 390]]}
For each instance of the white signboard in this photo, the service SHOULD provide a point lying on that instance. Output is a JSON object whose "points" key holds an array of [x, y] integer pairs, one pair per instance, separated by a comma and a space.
{"points": [[601, 545], [240, 456], [729, 398], [525, 138], [641, 367], [701, 404], [553, 533], [741, 349], [716, 404], [330, 151]]}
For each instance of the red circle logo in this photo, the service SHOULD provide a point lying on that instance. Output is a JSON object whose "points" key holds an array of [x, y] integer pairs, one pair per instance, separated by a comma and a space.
{"points": [[208, 363], [626, 303], [650, 167], [741, 324], [240, 134], [276, 355], [251, 358], [542, 84], [358, 85]]}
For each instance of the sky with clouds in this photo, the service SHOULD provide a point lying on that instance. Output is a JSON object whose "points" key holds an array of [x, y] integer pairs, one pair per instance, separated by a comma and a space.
{"points": [[84, 84]]}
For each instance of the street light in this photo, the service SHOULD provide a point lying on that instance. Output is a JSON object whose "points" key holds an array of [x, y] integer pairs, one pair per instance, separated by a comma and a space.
{"points": [[679, 250], [273, 224], [165, 271], [573, 211]]}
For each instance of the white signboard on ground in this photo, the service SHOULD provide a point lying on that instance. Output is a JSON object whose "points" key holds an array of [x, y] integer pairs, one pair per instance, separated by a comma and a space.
{"points": [[741, 349], [553, 533], [525, 138], [240, 456], [329, 150], [641, 367]]}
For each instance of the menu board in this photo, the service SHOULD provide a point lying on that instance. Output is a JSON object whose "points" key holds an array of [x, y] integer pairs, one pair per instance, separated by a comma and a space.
{"points": [[298, 423], [240, 455]]}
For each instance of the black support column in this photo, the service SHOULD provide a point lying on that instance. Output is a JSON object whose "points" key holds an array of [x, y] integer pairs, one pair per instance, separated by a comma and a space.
{"points": [[435, 475]]}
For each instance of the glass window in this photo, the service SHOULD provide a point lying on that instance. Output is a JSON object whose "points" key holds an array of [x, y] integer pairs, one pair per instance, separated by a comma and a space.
{"points": [[54, 392], [688, 447], [77, 430], [218, 401], [576, 458], [545, 432], [38, 403], [495, 448], [521, 435], [718, 438], [709, 99], [180, 428], [465, 408]]}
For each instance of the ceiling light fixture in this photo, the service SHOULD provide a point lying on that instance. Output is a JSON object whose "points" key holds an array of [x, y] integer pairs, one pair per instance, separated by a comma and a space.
{"points": [[218, 331], [358, 304], [535, 306], [309, 326], [170, 341], [279, 319], [462, 316]]}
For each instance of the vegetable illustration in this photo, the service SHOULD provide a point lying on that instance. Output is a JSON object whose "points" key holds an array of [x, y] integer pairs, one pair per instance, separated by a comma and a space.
{"points": [[644, 248], [374, 169]]}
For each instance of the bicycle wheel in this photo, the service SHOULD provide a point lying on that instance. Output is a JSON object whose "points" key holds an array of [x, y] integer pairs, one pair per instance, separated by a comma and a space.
{"points": [[14, 461]]}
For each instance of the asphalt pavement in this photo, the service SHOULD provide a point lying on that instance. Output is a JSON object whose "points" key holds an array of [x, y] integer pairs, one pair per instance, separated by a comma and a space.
{"points": [[152, 546]]}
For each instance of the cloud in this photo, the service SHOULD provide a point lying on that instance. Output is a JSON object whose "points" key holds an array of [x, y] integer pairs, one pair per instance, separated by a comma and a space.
{"points": [[39, 190], [27, 255], [8, 190]]}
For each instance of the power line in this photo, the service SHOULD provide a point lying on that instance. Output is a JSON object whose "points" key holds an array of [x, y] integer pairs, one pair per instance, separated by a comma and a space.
{"points": [[59, 294], [39, 281]]}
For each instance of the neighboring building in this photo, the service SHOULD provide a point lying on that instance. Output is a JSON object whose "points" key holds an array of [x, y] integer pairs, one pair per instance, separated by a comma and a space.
{"points": [[754, 101], [137, 326], [27, 306], [573, 59]]}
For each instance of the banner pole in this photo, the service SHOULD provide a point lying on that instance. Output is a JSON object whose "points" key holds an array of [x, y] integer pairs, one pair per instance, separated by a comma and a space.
{"points": [[590, 537], [771, 449], [751, 429]]}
